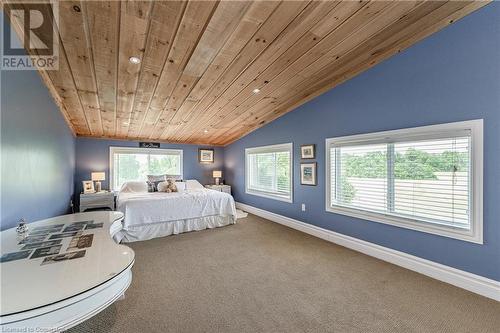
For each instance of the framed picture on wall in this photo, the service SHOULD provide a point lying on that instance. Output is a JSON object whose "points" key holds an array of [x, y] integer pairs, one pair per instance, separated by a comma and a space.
{"points": [[307, 151], [88, 186], [308, 173], [205, 155]]}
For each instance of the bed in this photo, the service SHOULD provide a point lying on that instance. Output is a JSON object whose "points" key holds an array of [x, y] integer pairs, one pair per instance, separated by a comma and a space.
{"points": [[156, 214]]}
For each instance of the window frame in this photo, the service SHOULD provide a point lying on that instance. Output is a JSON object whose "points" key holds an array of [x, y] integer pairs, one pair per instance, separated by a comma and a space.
{"points": [[136, 150], [475, 127], [269, 149]]}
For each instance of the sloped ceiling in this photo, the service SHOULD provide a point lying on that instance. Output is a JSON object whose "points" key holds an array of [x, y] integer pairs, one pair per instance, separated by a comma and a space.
{"points": [[211, 72]]}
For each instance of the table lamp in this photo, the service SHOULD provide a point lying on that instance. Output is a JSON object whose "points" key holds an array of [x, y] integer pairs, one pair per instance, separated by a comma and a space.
{"points": [[97, 177], [217, 174]]}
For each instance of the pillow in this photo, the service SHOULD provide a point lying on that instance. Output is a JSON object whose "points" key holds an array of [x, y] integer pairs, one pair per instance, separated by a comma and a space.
{"points": [[134, 187], [193, 184], [177, 178], [153, 186], [181, 186], [162, 186], [154, 180]]}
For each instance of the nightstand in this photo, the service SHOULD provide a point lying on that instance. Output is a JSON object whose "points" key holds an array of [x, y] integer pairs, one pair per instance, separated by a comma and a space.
{"points": [[97, 200], [220, 188]]}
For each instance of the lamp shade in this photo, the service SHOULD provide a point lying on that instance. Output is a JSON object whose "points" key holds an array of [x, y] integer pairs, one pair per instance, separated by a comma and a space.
{"points": [[98, 176], [217, 174]]}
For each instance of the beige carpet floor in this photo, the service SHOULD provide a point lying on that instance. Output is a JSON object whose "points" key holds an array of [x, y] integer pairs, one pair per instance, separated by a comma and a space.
{"points": [[258, 276]]}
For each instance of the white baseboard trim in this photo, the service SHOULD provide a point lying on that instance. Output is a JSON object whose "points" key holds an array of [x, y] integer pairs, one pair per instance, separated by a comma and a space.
{"points": [[462, 279]]}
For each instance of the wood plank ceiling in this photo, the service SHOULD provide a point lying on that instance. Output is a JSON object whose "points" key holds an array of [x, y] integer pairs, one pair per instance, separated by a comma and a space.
{"points": [[201, 61]]}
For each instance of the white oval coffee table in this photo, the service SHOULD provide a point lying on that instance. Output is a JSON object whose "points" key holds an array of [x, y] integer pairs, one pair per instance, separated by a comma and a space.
{"points": [[57, 291]]}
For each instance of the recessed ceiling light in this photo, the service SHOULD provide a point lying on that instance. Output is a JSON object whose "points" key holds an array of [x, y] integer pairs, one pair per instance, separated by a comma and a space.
{"points": [[134, 60], [256, 91], [205, 131]]}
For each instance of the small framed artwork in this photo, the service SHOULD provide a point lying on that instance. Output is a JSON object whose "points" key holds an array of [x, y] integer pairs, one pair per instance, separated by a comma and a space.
{"points": [[307, 151], [205, 155], [308, 173], [88, 186]]}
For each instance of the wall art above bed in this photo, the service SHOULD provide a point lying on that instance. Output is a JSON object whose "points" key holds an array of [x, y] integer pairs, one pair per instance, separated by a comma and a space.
{"points": [[205, 155]]}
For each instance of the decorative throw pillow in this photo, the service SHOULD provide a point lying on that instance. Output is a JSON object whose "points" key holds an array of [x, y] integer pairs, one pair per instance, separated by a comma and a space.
{"points": [[177, 178], [134, 186], [181, 186], [169, 186], [154, 180], [162, 186], [193, 184]]}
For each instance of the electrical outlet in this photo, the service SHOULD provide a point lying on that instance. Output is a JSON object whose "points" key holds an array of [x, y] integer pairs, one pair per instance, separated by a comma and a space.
{"points": [[303, 207]]}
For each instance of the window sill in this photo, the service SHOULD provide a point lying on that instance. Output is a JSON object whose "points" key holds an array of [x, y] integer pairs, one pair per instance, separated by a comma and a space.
{"points": [[473, 236], [269, 196]]}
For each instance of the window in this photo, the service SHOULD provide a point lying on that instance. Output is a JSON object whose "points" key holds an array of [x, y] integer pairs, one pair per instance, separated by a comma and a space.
{"points": [[269, 171], [132, 164], [425, 178]]}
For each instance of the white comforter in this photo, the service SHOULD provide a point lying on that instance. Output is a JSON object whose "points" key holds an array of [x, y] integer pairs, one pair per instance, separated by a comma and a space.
{"points": [[147, 208]]}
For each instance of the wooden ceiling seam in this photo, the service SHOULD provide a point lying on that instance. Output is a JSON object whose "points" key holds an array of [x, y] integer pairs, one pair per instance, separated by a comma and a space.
{"points": [[327, 65], [189, 57], [400, 45], [117, 62], [63, 49], [148, 27], [169, 60], [362, 5], [143, 78], [163, 74], [163, 109], [88, 39], [261, 71], [254, 57], [164, 64], [64, 62], [209, 90], [202, 60], [103, 20], [378, 13], [258, 55], [319, 70], [224, 40]]}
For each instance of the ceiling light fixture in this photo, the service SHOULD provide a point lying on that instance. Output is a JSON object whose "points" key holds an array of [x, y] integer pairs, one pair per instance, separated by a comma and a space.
{"points": [[256, 91], [134, 60], [205, 131]]}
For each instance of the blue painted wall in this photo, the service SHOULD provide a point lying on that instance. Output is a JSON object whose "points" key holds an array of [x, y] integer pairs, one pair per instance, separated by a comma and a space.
{"points": [[453, 75], [93, 155], [37, 151]]}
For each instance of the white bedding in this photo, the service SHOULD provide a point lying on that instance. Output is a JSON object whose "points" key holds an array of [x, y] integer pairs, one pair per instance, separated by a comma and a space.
{"points": [[155, 230], [143, 208]]}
